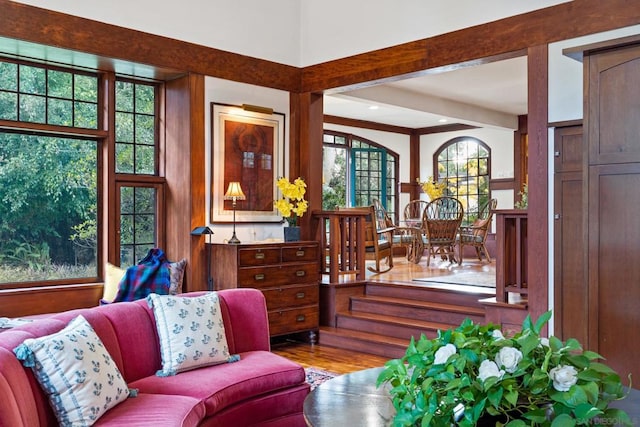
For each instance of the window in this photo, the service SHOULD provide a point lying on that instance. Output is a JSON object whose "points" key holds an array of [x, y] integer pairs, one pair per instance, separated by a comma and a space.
{"points": [[53, 177], [35, 94], [139, 195], [356, 171], [48, 174], [464, 164]]}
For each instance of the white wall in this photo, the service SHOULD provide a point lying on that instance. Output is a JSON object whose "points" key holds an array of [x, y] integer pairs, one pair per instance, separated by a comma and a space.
{"points": [[332, 29], [227, 92], [499, 140], [261, 29]]}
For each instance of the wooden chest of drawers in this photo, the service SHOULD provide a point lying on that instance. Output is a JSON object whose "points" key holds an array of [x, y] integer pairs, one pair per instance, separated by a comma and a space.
{"points": [[287, 273]]}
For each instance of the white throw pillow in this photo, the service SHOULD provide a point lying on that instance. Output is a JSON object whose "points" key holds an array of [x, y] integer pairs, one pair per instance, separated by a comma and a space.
{"points": [[191, 332], [176, 275], [76, 372], [112, 277]]}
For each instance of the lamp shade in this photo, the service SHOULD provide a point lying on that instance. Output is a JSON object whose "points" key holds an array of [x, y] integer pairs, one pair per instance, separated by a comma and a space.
{"points": [[201, 231], [234, 192]]}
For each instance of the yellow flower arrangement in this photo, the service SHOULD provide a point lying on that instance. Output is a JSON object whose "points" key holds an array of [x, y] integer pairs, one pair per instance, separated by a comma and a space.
{"points": [[432, 188], [292, 204]]}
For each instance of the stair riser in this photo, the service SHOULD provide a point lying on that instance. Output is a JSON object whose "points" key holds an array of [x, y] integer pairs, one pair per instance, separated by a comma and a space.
{"points": [[371, 347], [383, 328], [414, 313], [426, 294]]}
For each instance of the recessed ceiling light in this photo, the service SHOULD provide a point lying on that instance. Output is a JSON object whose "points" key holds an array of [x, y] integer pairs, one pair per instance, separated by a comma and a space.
{"points": [[373, 107], [443, 120]]}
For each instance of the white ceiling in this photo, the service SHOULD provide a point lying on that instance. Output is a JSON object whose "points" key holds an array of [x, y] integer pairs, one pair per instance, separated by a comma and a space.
{"points": [[488, 95]]}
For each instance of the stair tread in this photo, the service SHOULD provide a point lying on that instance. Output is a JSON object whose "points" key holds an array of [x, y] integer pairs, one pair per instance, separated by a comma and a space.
{"points": [[367, 336], [405, 321], [480, 311]]}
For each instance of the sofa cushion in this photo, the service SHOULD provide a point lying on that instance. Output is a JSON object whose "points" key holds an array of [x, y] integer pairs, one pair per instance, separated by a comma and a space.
{"points": [[146, 410], [74, 368], [176, 276], [257, 373], [191, 332]]}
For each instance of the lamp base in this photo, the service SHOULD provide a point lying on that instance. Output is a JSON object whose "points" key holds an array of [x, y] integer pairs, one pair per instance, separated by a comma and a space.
{"points": [[234, 239]]}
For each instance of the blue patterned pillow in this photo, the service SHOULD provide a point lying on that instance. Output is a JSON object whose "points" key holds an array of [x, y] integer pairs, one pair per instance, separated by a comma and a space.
{"points": [[191, 332], [76, 372]]}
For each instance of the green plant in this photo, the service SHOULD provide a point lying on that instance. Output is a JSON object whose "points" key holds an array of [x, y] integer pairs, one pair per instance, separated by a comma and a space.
{"points": [[472, 372], [524, 198], [292, 204]]}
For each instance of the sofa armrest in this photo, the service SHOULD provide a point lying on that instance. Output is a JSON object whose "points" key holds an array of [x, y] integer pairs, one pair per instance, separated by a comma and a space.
{"points": [[245, 319]]}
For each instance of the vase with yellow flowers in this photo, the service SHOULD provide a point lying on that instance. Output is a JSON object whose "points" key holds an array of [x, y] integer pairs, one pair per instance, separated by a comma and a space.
{"points": [[432, 188], [292, 205]]}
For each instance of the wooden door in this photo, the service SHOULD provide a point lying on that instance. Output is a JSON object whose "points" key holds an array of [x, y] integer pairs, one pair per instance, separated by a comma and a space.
{"points": [[612, 125], [570, 287]]}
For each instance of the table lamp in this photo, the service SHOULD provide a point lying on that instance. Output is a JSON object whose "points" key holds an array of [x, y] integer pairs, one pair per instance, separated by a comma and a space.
{"points": [[234, 193]]}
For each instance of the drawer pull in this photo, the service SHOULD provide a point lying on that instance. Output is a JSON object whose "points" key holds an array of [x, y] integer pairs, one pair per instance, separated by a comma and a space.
{"points": [[300, 295], [259, 276], [300, 273], [300, 253], [300, 318], [259, 255]]}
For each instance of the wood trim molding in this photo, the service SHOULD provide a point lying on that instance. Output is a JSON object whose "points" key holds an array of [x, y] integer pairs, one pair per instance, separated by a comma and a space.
{"points": [[365, 124], [469, 46], [502, 184], [42, 33]]}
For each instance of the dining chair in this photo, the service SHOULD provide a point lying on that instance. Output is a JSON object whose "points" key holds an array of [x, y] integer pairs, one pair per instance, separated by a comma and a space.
{"points": [[441, 220], [475, 235]]}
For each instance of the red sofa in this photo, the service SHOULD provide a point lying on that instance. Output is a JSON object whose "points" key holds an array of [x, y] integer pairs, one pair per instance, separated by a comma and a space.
{"points": [[261, 389]]}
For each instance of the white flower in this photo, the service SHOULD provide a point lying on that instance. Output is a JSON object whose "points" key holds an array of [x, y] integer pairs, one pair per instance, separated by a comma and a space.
{"points": [[489, 369], [544, 342], [443, 354], [509, 357], [497, 334], [563, 377]]}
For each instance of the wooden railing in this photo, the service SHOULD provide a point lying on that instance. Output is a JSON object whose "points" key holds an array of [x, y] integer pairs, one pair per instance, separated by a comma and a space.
{"points": [[341, 236]]}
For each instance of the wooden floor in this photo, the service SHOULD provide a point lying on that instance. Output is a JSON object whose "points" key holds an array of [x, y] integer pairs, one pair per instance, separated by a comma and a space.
{"points": [[344, 361]]}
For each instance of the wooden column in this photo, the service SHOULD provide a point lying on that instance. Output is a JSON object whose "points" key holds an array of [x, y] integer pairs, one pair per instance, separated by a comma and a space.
{"points": [[184, 171], [305, 149], [538, 101]]}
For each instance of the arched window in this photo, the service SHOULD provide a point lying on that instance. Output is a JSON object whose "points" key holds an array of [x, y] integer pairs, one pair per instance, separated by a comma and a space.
{"points": [[356, 171], [464, 163]]}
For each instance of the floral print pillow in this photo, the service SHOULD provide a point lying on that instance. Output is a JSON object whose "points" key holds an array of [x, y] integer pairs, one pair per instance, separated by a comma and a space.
{"points": [[76, 372], [191, 332]]}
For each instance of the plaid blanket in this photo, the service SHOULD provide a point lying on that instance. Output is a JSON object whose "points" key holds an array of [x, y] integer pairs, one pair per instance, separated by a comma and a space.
{"points": [[150, 275]]}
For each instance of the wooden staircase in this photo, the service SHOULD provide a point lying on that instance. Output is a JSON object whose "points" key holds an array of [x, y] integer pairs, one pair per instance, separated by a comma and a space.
{"points": [[386, 316]]}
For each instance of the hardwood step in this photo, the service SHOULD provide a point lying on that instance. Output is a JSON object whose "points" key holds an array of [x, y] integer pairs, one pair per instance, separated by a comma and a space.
{"points": [[452, 314], [465, 295], [392, 326], [365, 342]]}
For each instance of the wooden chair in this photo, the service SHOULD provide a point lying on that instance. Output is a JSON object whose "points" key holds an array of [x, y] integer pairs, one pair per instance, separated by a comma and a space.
{"points": [[476, 234], [406, 236], [378, 237], [441, 220], [413, 213]]}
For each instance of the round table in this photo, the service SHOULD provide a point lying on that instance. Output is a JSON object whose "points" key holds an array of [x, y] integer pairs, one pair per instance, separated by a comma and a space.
{"points": [[350, 400], [353, 400]]}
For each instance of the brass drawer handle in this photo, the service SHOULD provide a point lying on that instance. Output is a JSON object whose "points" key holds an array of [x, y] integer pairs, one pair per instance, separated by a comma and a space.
{"points": [[300, 253], [300, 318], [259, 276], [300, 295], [259, 255], [300, 273]]}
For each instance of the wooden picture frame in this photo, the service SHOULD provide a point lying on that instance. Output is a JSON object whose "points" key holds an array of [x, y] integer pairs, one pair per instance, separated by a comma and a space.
{"points": [[248, 147]]}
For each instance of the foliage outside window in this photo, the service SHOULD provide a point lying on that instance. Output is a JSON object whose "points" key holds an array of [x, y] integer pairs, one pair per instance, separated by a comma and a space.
{"points": [[356, 171], [135, 128], [464, 165], [49, 175]]}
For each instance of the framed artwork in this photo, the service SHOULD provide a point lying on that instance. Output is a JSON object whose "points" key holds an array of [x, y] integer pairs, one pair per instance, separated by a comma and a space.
{"points": [[247, 147]]}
